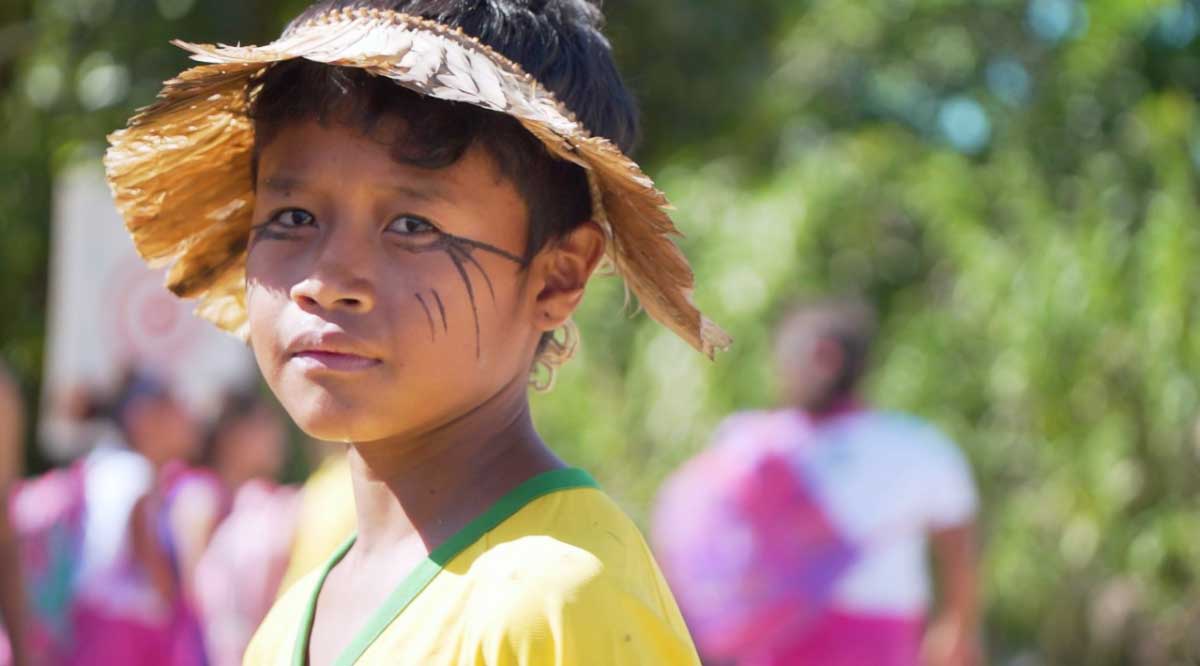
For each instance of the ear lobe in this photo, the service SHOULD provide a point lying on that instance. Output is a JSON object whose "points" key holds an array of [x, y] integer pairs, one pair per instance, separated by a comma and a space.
{"points": [[566, 267]]}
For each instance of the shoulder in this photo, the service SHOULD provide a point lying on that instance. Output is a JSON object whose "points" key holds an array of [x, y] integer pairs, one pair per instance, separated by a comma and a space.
{"points": [[904, 432], [755, 429], [566, 540], [585, 590], [196, 484], [275, 638], [754, 419], [933, 463]]}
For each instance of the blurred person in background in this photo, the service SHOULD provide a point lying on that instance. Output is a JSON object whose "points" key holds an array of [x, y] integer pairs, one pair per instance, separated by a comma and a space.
{"points": [[131, 606], [12, 606], [238, 576], [800, 536], [326, 514]]}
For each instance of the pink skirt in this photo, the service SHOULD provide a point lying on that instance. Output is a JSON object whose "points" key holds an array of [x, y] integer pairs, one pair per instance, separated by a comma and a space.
{"points": [[842, 639]]}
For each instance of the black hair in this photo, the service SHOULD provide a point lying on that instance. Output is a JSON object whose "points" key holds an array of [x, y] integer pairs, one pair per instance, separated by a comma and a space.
{"points": [[556, 41], [133, 385]]}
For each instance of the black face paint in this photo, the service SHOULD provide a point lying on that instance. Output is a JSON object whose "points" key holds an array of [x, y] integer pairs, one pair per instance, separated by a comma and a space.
{"points": [[428, 317], [264, 231], [441, 310], [461, 253]]}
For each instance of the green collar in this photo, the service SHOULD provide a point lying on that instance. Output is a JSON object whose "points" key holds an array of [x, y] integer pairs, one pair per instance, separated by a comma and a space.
{"points": [[428, 569]]}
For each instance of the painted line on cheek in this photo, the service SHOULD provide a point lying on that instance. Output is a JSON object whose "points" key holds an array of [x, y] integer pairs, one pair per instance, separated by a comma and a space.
{"points": [[466, 278], [441, 309], [428, 317], [479, 245], [468, 256]]}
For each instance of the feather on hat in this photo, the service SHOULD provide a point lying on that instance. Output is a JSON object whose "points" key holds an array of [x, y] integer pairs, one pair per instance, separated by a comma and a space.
{"points": [[181, 171]]}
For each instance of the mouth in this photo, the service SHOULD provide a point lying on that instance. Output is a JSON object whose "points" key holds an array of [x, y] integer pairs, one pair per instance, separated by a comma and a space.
{"points": [[330, 352], [315, 359]]}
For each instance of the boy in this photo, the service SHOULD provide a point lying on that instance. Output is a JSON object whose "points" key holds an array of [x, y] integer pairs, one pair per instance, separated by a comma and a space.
{"points": [[399, 203]]}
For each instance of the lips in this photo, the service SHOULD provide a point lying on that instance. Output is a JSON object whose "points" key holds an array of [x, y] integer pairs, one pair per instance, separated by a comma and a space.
{"points": [[330, 350], [320, 360]]}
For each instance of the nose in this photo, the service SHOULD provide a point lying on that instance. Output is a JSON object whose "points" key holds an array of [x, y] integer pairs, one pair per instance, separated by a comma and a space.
{"points": [[338, 282]]}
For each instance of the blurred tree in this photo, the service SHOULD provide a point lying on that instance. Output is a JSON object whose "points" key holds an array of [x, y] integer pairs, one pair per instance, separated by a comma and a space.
{"points": [[1013, 182]]}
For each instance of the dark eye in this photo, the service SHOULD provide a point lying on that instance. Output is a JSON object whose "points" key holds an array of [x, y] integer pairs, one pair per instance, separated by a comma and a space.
{"points": [[409, 225], [293, 218]]}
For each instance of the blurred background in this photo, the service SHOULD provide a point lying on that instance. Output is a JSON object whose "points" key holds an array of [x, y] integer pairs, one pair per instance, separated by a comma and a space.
{"points": [[1012, 183]]}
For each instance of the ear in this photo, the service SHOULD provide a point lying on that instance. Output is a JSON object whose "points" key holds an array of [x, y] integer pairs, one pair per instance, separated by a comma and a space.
{"points": [[564, 268]]}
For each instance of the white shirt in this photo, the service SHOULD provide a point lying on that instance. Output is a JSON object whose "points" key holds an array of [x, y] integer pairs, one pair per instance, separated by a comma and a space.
{"points": [[886, 481]]}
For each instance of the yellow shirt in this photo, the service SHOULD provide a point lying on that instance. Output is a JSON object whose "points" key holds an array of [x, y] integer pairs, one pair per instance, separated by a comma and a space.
{"points": [[326, 518], [554, 574]]}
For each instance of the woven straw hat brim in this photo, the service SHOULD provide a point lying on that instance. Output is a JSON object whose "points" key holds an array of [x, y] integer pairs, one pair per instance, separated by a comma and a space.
{"points": [[181, 171]]}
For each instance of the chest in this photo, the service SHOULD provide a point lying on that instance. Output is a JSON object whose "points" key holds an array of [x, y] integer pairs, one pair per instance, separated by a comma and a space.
{"points": [[350, 601], [870, 491]]}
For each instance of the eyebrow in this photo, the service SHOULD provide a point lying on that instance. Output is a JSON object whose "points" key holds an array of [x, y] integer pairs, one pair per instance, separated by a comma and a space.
{"points": [[284, 184]]}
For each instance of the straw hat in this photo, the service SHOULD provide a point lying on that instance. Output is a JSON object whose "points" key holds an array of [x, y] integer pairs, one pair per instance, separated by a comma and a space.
{"points": [[181, 171]]}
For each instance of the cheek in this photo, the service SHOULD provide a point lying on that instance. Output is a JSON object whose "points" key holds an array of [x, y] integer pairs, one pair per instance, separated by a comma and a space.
{"points": [[267, 291], [453, 307], [263, 307]]}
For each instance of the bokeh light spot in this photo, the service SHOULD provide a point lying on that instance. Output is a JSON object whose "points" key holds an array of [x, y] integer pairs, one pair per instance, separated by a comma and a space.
{"points": [[1009, 81], [1177, 26], [44, 85], [1054, 20], [102, 81], [964, 124]]}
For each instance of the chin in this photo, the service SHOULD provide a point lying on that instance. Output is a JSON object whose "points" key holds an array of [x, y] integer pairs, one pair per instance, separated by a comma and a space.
{"points": [[340, 425], [326, 414]]}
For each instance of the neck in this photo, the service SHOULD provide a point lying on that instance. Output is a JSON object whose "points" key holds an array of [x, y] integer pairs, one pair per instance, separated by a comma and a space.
{"points": [[836, 408], [233, 476], [429, 485]]}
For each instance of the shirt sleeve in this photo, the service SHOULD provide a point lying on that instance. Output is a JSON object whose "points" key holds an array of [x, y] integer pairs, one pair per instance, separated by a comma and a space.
{"points": [[952, 498], [572, 614]]}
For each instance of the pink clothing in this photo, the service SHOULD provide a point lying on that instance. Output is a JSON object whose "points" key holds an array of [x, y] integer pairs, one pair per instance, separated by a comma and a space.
{"points": [[800, 541], [119, 617], [749, 552], [47, 515], [104, 638], [845, 639], [238, 577]]}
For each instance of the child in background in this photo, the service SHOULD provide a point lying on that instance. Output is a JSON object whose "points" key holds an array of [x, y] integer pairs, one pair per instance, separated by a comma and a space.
{"points": [[237, 578], [400, 203], [245, 442], [130, 604], [800, 536], [102, 542]]}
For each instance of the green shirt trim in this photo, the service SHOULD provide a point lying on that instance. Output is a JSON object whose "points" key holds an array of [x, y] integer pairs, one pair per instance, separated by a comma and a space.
{"points": [[413, 584]]}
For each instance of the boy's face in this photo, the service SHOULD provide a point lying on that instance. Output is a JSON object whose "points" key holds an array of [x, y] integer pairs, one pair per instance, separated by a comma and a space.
{"points": [[385, 299]]}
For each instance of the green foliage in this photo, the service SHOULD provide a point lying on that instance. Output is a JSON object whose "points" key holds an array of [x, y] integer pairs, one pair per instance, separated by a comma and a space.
{"points": [[1013, 183]]}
